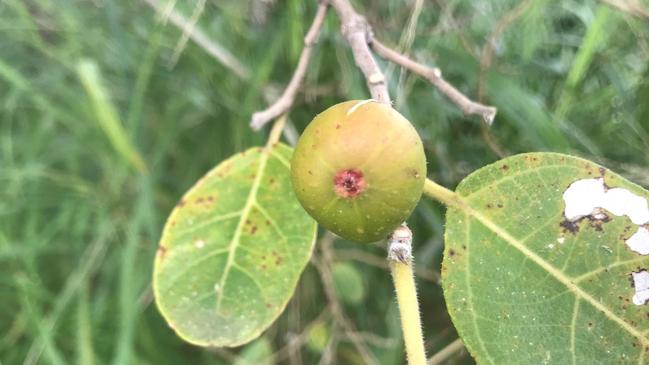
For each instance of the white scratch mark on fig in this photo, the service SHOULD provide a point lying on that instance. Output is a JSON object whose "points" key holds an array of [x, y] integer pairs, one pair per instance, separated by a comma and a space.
{"points": [[359, 104]]}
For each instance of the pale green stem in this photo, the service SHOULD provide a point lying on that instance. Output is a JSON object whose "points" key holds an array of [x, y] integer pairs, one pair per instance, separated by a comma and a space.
{"points": [[400, 258], [438, 192], [404, 283], [276, 131]]}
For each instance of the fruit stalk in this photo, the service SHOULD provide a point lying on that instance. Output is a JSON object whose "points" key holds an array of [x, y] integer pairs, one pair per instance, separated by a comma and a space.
{"points": [[435, 191], [400, 257]]}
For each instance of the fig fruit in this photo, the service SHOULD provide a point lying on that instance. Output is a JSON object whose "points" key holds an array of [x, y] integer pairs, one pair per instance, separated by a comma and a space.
{"points": [[359, 169]]}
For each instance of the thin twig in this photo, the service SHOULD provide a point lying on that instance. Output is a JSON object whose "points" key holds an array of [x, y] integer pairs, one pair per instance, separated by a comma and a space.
{"points": [[376, 261], [182, 42], [323, 266], [631, 7], [358, 33], [446, 352], [486, 61], [297, 341], [329, 352], [284, 103], [434, 76], [197, 35], [486, 56]]}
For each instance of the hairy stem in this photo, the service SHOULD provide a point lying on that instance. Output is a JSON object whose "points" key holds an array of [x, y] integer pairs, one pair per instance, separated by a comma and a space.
{"points": [[400, 257]]}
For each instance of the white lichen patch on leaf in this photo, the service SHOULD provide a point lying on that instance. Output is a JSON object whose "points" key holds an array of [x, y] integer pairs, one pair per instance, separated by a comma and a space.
{"points": [[588, 197], [639, 242], [641, 285], [582, 197], [585, 197], [359, 104]]}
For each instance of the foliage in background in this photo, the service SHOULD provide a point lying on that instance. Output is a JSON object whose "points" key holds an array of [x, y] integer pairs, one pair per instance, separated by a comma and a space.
{"points": [[106, 118]]}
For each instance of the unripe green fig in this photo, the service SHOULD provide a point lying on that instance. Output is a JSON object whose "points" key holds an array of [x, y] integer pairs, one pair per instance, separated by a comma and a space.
{"points": [[359, 169]]}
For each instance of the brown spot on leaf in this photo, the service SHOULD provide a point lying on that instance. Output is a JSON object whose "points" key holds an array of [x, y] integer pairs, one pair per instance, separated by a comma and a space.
{"points": [[504, 167], [451, 252], [569, 226], [181, 203]]}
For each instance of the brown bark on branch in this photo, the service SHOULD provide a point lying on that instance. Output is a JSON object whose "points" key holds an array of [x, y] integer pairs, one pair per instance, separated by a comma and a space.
{"points": [[434, 76], [358, 33], [359, 36]]}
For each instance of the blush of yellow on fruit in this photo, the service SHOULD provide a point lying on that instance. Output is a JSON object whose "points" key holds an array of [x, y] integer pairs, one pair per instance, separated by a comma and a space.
{"points": [[359, 169]]}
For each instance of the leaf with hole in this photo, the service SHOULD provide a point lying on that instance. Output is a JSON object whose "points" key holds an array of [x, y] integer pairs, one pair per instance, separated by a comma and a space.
{"points": [[542, 254], [232, 250]]}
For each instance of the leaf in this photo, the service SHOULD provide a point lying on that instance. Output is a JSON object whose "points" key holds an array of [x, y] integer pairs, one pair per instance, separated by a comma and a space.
{"points": [[524, 285], [258, 352], [318, 337], [233, 250], [348, 283]]}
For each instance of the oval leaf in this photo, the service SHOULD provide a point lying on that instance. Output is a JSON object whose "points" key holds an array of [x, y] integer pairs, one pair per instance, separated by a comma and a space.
{"points": [[530, 280], [232, 250]]}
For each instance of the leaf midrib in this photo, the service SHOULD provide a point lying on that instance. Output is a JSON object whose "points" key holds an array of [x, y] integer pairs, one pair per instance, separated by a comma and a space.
{"points": [[558, 275], [234, 243]]}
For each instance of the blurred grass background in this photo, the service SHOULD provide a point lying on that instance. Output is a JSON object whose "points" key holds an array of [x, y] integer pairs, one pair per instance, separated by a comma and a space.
{"points": [[107, 116]]}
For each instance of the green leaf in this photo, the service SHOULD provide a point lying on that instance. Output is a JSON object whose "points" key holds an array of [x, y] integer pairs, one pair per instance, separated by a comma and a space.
{"points": [[525, 285], [258, 352], [348, 283], [318, 337], [232, 250]]}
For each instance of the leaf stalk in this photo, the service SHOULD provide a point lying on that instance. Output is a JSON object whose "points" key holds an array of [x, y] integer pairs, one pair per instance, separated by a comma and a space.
{"points": [[400, 258]]}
